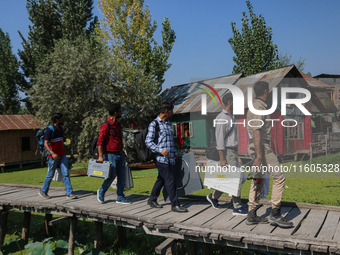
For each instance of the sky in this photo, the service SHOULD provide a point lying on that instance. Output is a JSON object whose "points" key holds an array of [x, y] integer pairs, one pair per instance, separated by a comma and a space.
{"points": [[307, 29]]}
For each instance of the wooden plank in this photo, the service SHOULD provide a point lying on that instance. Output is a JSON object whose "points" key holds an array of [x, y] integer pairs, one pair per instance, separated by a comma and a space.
{"points": [[336, 236], [149, 216], [220, 222], [194, 208], [329, 227], [208, 215], [296, 216], [312, 224], [161, 249]]}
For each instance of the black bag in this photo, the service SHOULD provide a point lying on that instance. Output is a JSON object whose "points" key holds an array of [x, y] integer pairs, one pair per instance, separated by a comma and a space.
{"points": [[94, 147], [143, 152], [211, 152]]}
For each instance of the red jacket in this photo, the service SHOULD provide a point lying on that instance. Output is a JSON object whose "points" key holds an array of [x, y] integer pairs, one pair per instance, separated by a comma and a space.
{"points": [[111, 142]]}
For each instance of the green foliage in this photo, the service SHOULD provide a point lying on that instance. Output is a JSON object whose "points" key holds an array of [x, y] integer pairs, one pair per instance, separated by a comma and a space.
{"points": [[127, 30], [52, 20], [73, 80], [254, 48], [9, 77], [286, 59]]}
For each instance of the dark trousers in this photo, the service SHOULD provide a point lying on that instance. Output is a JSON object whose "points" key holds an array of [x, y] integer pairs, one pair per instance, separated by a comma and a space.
{"points": [[166, 177]]}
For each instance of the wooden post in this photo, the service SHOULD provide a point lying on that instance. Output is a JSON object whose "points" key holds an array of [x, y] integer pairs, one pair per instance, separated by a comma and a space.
{"points": [[73, 223], [26, 228], [98, 234], [48, 229], [3, 227], [121, 235]]}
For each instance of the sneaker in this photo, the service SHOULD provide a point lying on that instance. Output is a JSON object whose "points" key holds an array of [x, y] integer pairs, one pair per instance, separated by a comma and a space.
{"points": [[43, 195], [253, 219], [275, 218], [100, 197], [71, 196], [240, 211], [213, 202], [123, 200]]}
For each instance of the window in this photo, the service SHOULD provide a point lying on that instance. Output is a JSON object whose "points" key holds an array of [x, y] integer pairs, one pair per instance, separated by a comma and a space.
{"points": [[25, 144], [293, 132], [187, 130]]}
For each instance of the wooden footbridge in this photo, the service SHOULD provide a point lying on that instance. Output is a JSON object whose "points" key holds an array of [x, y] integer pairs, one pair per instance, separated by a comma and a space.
{"points": [[316, 227]]}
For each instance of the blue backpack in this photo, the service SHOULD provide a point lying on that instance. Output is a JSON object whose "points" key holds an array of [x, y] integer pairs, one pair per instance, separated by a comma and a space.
{"points": [[40, 137]]}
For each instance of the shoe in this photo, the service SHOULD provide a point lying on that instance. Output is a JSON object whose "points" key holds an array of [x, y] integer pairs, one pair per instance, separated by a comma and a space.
{"points": [[253, 219], [72, 196], [154, 204], [275, 217], [213, 202], [123, 200], [240, 211], [100, 197], [179, 209], [43, 195]]}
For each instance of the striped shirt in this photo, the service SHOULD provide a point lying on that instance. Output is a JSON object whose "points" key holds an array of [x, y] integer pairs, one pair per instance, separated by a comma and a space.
{"points": [[165, 141], [55, 139]]}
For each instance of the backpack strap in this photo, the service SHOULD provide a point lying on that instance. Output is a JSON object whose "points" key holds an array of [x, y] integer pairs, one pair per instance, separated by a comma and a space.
{"points": [[51, 127], [110, 128], [157, 129]]}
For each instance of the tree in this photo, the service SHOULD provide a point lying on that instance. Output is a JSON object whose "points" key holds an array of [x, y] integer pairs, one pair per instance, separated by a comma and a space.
{"points": [[73, 80], [127, 31], [52, 20], [9, 77], [286, 59], [254, 48]]}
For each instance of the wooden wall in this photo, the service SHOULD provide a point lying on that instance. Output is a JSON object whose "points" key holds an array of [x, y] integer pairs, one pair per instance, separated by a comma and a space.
{"points": [[11, 146]]}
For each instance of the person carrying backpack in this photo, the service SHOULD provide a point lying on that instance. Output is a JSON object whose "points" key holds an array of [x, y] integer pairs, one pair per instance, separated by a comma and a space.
{"points": [[56, 157], [110, 148], [165, 152]]}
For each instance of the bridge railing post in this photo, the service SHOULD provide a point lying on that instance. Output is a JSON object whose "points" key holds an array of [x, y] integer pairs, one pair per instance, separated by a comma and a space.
{"points": [[26, 226]]}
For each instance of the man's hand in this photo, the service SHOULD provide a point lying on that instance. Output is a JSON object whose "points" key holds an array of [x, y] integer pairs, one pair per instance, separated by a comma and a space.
{"points": [[55, 156], [100, 159], [223, 162], [165, 152]]}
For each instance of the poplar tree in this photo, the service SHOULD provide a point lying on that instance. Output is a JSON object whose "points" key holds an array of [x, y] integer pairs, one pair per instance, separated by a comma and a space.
{"points": [[128, 33], [9, 77], [254, 49], [52, 20]]}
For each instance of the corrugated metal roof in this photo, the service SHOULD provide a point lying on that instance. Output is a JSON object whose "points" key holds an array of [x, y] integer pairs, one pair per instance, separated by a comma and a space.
{"points": [[314, 83], [18, 122], [187, 97], [327, 104]]}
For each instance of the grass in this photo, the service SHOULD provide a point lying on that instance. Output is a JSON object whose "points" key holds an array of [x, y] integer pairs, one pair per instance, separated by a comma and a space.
{"points": [[315, 188]]}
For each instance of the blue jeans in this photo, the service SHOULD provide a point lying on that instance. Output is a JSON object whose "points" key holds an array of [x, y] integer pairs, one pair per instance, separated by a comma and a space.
{"points": [[117, 168], [52, 166]]}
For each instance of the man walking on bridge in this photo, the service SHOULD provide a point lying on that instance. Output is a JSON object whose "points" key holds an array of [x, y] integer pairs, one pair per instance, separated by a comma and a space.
{"points": [[260, 148], [56, 157]]}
